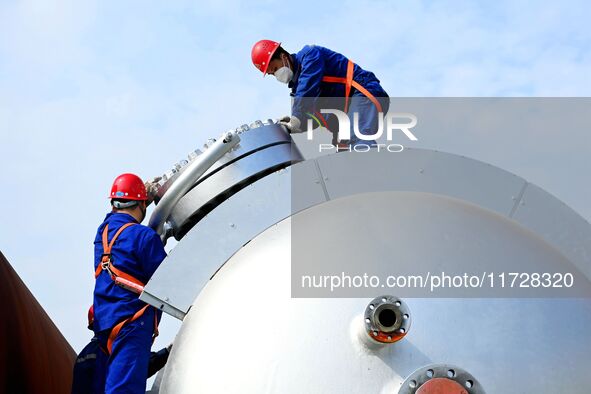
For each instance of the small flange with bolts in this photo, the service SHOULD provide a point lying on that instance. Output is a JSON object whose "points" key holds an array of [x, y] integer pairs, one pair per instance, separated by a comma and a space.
{"points": [[441, 378], [387, 319]]}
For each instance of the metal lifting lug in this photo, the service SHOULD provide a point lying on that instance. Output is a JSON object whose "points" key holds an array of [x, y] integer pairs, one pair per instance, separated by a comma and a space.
{"points": [[228, 137]]}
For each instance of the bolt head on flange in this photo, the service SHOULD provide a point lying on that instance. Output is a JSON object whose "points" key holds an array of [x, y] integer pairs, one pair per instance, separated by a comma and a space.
{"points": [[441, 379]]}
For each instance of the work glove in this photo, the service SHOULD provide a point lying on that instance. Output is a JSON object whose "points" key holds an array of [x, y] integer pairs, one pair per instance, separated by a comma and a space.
{"points": [[152, 187], [291, 123]]}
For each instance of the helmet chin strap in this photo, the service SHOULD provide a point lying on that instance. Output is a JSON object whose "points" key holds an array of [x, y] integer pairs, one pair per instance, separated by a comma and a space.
{"points": [[124, 204], [285, 61], [143, 209]]}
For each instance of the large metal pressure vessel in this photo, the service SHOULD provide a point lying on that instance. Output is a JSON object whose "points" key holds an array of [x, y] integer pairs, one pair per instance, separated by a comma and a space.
{"points": [[248, 326]]}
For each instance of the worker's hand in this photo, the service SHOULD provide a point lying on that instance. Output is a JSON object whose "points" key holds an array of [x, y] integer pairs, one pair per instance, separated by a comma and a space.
{"points": [[291, 123], [152, 187]]}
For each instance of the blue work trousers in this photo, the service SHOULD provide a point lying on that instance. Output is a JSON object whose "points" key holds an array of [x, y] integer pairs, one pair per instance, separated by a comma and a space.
{"points": [[125, 370], [367, 117]]}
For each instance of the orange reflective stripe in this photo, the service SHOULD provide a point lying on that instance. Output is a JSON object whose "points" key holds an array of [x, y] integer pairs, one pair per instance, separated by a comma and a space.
{"points": [[123, 275], [118, 327], [348, 82], [334, 79]]}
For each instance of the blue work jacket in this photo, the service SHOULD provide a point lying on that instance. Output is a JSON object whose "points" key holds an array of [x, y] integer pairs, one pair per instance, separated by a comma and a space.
{"points": [[314, 62], [138, 251]]}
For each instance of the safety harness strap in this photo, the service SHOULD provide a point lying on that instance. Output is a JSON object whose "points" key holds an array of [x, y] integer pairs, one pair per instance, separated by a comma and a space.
{"points": [[349, 82], [121, 279], [115, 331], [105, 263], [367, 94]]}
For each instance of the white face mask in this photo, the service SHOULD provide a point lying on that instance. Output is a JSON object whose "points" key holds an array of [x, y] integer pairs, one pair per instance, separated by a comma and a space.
{"points": [[284, 74]]}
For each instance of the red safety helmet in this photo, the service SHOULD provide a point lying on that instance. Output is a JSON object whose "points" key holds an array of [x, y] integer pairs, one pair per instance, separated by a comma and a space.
{"points": [[262, 52], [90, 317], [129, 187]]}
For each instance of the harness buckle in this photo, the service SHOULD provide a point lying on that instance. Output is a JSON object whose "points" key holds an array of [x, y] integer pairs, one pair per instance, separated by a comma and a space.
{"points": [[105, 261]]}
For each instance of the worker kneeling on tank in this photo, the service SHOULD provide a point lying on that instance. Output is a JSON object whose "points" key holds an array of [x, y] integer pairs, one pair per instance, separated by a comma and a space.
{"points": [[316, 72]]}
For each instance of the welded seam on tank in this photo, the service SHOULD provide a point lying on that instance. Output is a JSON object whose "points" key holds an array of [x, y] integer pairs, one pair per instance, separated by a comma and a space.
{"points": [[321, 180], [518, 199], [214, 202]]}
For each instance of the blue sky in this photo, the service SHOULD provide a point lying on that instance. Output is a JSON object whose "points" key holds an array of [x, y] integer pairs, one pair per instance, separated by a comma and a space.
{"points": [[90, 89]]}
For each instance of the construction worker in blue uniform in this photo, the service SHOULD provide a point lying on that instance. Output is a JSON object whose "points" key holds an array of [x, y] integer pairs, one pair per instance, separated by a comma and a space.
{"points": [[126, 255], [316, 72]]}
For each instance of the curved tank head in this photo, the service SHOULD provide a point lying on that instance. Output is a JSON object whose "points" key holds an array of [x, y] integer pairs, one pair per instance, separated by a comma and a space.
{"points": [[255, 327]]}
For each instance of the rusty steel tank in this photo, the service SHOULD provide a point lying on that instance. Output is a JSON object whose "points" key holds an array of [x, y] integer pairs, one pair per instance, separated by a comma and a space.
{"points": [[34, 355], [248, 206]]}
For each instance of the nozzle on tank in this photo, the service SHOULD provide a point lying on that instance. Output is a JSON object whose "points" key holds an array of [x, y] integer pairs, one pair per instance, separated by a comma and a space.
{"points": [[386, 320]]}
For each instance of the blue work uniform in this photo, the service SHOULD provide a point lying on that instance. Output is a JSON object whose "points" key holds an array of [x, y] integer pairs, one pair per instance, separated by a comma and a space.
{"points": [[313, 63], [85, 366], [138, 251]]}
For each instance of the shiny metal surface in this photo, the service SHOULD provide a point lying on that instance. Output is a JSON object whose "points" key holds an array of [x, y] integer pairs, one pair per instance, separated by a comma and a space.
{"points": [[557, 223], [310, 346], [212, 241], [414, 233], [444, 211], [422, 171], [254, 139], [193, 172], [251, 140], [218, 236], [212, 190], [387, 319], [420, 378], [187, 198]]}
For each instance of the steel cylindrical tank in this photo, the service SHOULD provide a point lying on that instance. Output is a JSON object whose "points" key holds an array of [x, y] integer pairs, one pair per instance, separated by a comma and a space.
{"points": [[246, 334]]}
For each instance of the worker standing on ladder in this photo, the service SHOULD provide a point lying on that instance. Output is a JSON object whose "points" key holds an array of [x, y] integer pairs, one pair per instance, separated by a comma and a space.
{"points": [[316, 72], [126, 255]]}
